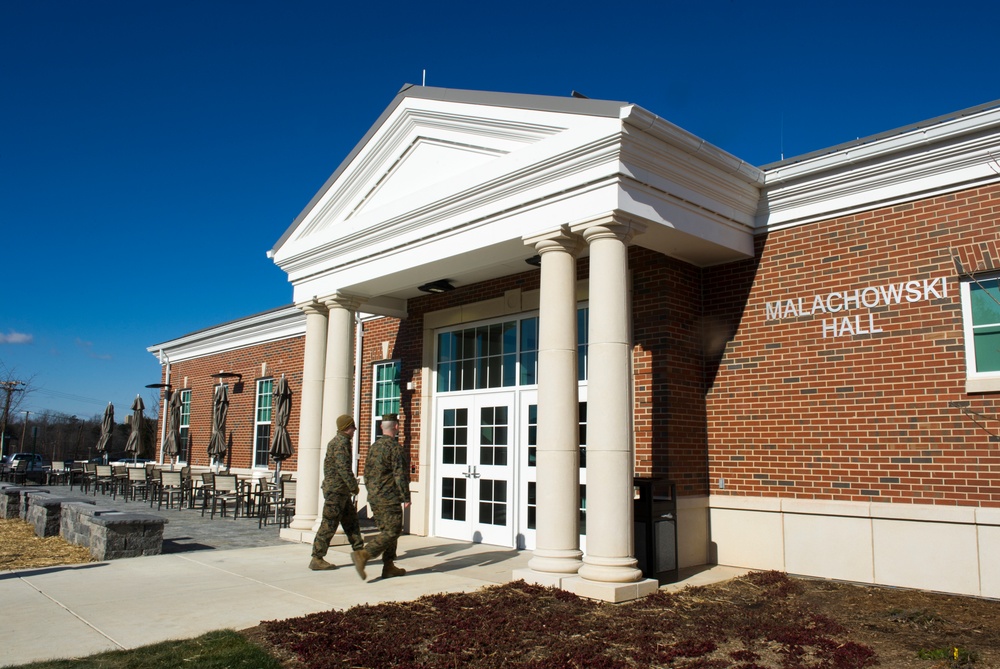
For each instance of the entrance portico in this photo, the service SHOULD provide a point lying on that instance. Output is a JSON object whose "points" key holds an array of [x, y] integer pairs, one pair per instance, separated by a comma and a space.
{"points": [[466, 186]]}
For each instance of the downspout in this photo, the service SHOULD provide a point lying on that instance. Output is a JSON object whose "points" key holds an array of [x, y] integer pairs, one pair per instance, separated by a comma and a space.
{"points": [[166, 399], [359, 336]]}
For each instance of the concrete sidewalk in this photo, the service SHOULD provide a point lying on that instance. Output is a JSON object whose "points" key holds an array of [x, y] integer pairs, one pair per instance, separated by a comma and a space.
{"points": [[78, 610]]}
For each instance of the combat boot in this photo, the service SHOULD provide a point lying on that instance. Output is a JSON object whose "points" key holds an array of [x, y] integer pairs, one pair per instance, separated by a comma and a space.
{"points": [[360, 559], [319, 564], [389, 570]]}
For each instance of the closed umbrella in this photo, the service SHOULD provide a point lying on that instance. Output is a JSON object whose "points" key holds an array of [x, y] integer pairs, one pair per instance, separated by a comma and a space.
{"points": [[281, 442], [172, 446], [134, 443], [220, 407], [107, 430]]}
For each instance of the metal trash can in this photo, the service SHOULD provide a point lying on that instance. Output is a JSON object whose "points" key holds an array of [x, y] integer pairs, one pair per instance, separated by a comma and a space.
{"points": [[655, 525]]}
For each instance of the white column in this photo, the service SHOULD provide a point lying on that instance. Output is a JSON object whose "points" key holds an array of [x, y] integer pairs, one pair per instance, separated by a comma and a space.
{"points": [[609, 571], [338, 380], [310, 421], [557, 539]]}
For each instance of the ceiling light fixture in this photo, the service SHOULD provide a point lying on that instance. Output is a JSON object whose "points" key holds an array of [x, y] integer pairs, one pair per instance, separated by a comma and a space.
{"points": [[439, 286]]}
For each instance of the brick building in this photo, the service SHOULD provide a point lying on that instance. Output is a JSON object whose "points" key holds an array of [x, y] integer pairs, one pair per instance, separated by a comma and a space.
{"points": [[558, 295]]}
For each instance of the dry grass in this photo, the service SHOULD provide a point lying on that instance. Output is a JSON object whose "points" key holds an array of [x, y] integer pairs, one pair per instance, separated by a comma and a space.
{"points": [[21, 549]]}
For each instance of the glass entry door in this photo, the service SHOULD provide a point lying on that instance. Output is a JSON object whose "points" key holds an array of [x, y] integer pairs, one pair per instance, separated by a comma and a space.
{"points": [[474, 452], [527, 471]]}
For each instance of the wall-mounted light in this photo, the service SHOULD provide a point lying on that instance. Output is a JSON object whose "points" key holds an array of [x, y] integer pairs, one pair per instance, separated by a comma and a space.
{"points": [[227, 375], [439, 286], [161, 385], [534, 261]]}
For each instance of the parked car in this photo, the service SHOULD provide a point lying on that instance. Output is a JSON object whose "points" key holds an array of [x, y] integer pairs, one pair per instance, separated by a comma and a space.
{"points": [[131, 461], [36, 462]]}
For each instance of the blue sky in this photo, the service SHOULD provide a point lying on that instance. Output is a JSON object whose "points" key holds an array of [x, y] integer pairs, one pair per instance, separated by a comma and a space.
{"points": [[152, 152]]}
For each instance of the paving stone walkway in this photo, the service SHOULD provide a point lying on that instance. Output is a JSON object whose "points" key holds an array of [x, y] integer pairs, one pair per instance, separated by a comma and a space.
{"points": [[186, 530]]}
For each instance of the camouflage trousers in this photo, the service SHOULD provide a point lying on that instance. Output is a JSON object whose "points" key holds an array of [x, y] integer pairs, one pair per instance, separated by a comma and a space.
{"points": [[389, 518], [338, 510]]}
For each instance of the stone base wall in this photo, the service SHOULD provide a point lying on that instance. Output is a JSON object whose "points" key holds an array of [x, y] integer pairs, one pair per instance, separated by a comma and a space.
{"points": [[108, 534]]}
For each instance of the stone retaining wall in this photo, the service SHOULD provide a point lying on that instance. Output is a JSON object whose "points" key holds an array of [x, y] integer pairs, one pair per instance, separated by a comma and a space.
{"points": [[108, 534]]}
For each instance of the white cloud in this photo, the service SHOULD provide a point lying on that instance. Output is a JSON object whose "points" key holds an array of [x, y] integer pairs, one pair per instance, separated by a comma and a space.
{"points": [[16, 338]]}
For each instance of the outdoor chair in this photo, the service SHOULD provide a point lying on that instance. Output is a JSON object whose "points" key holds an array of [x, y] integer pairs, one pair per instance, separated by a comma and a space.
{"points": [[19, 472], [266, 497], [207, 481], [75, 474], [89, 476], [104, 479], [57, 474], [225, 491], [171, 486], [120, 483], [286, 505], [153, 481]]}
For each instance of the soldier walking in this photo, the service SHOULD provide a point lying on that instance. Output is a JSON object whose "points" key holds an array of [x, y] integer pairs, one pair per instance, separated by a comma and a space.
{"points": [[339, 488], [387, 481]]}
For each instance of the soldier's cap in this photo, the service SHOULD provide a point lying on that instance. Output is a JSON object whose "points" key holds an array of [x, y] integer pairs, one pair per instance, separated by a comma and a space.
{"points": [[390, 418], [344, 422]]}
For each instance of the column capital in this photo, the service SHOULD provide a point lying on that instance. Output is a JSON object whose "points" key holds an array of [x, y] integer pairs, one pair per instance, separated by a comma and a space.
{"points": [[313, 306], [341, 301], [560, 239], [615, 227]]}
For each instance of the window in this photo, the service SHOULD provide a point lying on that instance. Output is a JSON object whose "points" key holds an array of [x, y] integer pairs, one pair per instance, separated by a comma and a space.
{"points": [[499, 355], [385, 391], [185, 445], [262, 421], [981, 310]]}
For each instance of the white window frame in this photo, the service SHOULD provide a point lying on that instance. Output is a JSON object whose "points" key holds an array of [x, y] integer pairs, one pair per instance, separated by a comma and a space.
{"points": [[975, 382], [257, 422], [185, 425], [376, 413]]}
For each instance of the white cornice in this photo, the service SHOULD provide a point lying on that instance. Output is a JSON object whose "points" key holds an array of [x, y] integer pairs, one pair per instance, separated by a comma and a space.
{"points": [[282, 323], [454, 204], [692, 144], [945, 156]]}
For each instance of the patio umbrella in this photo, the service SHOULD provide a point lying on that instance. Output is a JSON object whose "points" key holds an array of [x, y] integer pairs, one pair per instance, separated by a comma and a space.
{"points": [[134, 443], [172, 446], [107, 429], [281, 442], [220, 407]]}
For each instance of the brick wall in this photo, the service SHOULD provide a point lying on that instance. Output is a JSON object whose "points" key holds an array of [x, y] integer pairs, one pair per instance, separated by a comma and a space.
{"points": [[863, 413], [282, 357]]}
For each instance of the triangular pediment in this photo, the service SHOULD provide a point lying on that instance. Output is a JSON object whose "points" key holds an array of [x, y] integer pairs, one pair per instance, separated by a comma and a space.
{"points": [[420, 143], [452, 183]]}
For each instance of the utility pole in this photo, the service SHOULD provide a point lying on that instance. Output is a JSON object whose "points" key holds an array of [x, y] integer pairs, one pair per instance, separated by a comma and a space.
{"points": [[11, 387]]}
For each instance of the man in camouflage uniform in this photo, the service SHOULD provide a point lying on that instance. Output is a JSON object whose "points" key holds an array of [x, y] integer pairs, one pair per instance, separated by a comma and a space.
{"points": [[339, 488], [388, 483]]}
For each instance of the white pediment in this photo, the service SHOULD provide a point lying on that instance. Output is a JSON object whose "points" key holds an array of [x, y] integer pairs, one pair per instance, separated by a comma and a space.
{"points": [[423, 143], [450, 184]]}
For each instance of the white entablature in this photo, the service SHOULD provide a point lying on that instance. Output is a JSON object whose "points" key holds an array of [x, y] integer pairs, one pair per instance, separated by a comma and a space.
{"points": [[447, 185]]}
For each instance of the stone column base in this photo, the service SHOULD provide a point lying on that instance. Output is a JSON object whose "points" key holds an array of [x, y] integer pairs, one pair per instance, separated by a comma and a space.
{"points": [[610, 592], [298, 536], [546, 579]]}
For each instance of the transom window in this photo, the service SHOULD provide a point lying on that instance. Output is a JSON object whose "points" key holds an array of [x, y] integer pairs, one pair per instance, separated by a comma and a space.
{"points": [[498, 355]]}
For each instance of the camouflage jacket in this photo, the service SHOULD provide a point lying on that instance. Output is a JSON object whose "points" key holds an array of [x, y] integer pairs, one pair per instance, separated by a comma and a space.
{"points": [[387, 478], [338, 476]]}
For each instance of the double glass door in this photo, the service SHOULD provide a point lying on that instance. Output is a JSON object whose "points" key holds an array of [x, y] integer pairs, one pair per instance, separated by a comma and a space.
{"points": [[474, 448]]}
